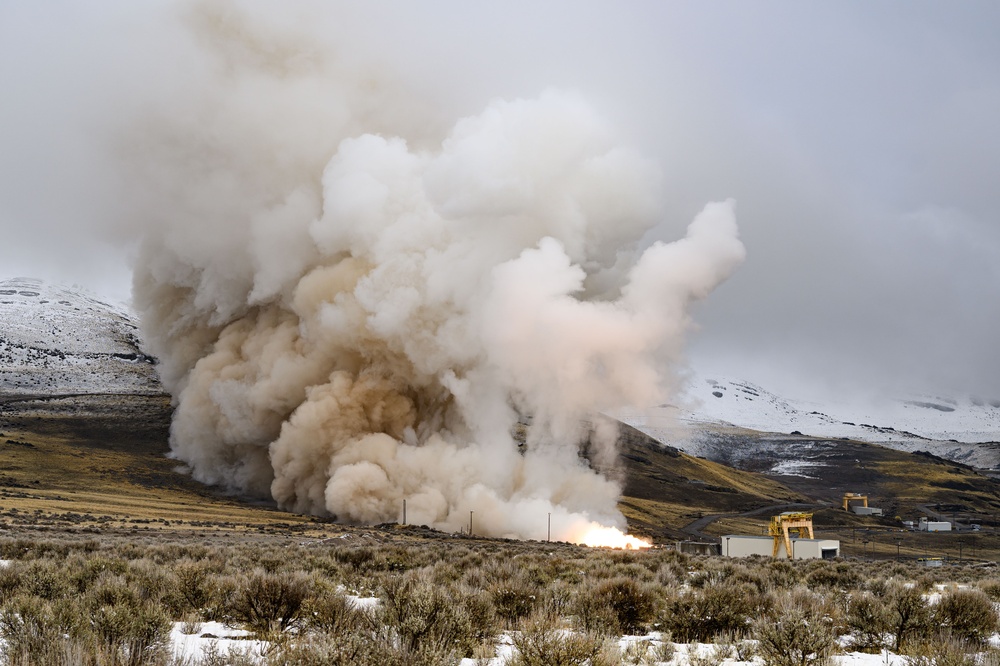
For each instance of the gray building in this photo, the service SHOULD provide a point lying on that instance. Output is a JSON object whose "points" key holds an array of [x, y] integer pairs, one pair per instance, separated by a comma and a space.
{"points": [[698, 548], [737, 545]]}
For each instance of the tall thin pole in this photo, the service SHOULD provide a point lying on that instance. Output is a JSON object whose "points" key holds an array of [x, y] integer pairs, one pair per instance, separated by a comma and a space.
{"points": [[470, 523], [548, 535], [404, 512]]}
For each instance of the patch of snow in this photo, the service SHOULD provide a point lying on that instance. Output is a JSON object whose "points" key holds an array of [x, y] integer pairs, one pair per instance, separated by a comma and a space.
{"points": [[364, 603], [884, 658], [795, 468], [213, 636]]}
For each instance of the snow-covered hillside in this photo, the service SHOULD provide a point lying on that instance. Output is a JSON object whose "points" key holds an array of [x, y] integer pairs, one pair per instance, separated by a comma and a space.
{"points": [[961, 429], [59, 340]]}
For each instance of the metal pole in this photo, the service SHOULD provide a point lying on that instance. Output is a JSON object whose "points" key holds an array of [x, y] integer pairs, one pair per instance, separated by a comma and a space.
{"points": [[404, 512], [548, 535], [470, 523]]}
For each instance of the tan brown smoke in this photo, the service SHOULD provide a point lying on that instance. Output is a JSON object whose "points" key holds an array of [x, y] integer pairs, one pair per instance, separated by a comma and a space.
{"points": [[352, 308]]}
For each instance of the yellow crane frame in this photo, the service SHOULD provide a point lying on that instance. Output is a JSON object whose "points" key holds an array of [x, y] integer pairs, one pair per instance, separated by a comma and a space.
{"points": [[783, 524], [854, 497]]}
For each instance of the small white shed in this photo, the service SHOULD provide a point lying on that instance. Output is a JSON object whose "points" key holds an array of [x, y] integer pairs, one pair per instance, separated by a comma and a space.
{"points": [[934, 525]]}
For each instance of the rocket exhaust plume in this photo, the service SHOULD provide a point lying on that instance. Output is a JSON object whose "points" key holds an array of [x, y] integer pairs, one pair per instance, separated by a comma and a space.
{"points": [[353, 303]]}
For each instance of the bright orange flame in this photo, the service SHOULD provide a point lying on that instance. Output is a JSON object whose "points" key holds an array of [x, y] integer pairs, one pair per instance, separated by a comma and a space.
{"points": [[609, 537]]}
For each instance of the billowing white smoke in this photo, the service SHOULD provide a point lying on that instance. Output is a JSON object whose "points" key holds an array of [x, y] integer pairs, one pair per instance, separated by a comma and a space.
{"points": [[346, 321]]}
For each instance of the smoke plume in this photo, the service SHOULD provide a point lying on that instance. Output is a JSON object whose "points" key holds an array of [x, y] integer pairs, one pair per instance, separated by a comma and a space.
{"points": [[355, 299]]}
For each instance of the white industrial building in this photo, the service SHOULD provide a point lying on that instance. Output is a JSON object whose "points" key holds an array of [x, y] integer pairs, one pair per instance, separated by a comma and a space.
{"points": [[866, 510], [737, 545], [933, 525]]}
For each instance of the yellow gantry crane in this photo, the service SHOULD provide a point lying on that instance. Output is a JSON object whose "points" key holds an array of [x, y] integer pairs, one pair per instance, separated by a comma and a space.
{"points": [[854, 497], [790, 521]]}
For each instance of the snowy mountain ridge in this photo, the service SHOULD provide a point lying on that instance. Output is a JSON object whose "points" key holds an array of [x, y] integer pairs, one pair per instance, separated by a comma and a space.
{"points": [[965, 430], [58, 340]]}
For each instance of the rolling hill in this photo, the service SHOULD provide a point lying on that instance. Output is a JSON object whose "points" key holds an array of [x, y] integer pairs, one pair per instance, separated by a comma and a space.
{"points": [[84, 446]]}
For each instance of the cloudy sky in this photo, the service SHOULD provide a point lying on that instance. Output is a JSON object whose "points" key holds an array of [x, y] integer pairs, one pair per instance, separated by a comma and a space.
{"points": [[858, 139]]}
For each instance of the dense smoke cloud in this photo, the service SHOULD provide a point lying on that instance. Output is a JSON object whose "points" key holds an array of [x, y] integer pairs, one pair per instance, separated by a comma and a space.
{"points": [[858, 139], [354, 300]]}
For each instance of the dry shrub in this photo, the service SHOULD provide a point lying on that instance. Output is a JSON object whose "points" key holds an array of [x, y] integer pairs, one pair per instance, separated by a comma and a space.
{"points": [[34, 631], [557, 598], [868, 618], [121, 632], [513, 600], [798, 634], [991, 588], [10, 582], [663, 651], [196, 586], [700, 615], [781, 574], [967, 614], [269, 602], [425, 616], [908, 614], [541, 643], [632, 605], [82, 572], [839, 576], [485, 624], [943, 650], [592, 616], [332, 612], [42, 578], [636, 653], [364, 648], [132, 635]]}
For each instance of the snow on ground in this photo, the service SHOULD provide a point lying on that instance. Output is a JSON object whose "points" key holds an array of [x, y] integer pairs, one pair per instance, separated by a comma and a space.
{"points": [[61, 340], [215, 636], [209, 637]]}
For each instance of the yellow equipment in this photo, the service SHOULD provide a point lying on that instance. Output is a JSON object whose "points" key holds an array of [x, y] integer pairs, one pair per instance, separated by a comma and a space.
{"points": [[854, 497], [783, 524]]}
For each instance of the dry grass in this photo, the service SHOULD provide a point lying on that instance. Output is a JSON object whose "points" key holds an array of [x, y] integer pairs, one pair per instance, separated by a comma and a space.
{"points": [[95, 465]]}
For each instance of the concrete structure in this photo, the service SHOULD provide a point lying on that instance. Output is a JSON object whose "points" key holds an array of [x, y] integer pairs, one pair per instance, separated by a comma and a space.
{"points": [[698, 548], [934, 526], [866, 510], [737, 545]]}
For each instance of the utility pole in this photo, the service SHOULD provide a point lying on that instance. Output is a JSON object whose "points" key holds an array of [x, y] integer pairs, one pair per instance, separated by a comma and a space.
{"points": [[404, 512], [470, 523], [548, 534]]}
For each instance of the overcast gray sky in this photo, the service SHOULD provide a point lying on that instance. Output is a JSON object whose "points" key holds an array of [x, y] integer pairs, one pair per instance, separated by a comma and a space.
{"points": [[859, 140]]}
